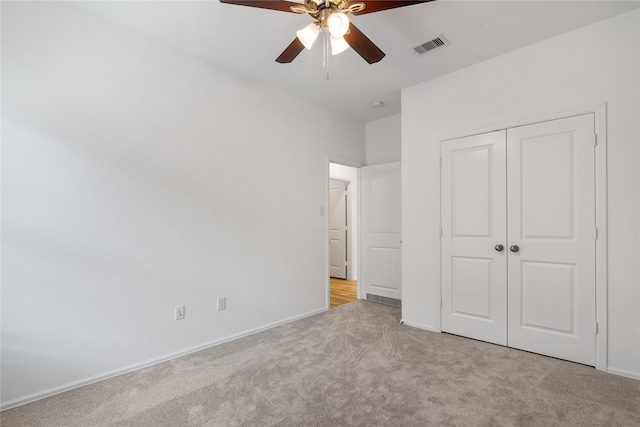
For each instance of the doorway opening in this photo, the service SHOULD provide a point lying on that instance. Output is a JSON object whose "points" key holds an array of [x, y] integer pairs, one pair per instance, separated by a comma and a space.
{"points": [[342, 232], [342, 292]]}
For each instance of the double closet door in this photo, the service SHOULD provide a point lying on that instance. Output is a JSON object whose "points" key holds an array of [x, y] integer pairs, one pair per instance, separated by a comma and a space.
{"points": [[518, 230]]}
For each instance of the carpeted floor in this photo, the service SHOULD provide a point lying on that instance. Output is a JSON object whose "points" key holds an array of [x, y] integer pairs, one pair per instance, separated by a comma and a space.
{"points": [[354, 365]]}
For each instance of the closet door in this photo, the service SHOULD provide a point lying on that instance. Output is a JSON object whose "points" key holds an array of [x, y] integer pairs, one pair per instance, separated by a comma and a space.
{"points": [[474, 273], [551, 227]]}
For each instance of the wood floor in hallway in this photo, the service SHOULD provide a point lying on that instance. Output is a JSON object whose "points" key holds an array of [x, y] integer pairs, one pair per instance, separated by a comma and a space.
{"points": [[342, 291]]}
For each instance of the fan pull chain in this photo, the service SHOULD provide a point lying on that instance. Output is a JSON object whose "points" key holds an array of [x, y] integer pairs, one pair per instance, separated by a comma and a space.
{"points": [[325, 51], [328, 53]]}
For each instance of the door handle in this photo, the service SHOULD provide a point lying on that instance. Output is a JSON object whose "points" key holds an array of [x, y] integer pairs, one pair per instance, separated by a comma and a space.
{"points": [[499, 248], [514, 248]]}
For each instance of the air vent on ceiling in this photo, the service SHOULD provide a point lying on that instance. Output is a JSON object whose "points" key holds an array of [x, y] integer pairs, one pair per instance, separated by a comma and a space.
{"points": [[431, 45]]}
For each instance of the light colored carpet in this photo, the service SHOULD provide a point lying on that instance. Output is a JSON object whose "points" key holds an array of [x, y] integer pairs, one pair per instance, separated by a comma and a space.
{"points": [[354, 365]]}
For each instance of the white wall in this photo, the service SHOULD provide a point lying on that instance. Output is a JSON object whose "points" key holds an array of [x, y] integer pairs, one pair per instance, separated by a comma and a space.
{"points": [[348, 173], [383, 140], [136, 178], [586, 67]]}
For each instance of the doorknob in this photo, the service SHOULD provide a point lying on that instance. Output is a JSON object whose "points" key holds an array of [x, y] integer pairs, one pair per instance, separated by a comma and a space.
{"points": [[514, 248], [499, 248]]}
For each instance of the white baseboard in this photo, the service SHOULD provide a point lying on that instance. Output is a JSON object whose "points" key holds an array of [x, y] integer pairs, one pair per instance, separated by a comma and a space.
{"points": [[145, 364], [420, 326], [623, 373]]}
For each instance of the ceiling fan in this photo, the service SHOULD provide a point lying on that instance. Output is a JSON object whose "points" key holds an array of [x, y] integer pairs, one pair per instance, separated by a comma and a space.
{"points": [[331, 17]]}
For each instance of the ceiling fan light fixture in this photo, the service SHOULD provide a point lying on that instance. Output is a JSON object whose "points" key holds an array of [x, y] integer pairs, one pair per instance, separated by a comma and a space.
{"points": [[331, 14], [338, 45], [308, 34], [338, 24]]}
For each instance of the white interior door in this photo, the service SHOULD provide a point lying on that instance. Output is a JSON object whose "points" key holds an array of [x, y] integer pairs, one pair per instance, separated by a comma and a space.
{"points": [[337, 229], [474, 276], [551, 216], [380, 201]]}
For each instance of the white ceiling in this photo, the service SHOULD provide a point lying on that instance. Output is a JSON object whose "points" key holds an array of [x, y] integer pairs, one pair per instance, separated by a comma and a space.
{"points": [[248, 40]]}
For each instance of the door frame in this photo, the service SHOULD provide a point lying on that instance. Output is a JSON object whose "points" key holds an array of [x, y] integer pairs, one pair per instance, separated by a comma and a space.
{"points": [[354, 237], [601, 262]]}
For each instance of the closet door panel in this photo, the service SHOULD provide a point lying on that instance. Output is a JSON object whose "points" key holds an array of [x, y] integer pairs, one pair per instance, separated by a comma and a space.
{"points": [[473, 222], [551, 219]]}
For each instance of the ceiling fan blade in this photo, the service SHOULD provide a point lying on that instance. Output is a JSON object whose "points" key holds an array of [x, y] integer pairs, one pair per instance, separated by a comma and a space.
{"points": [[378, 5], [290, 53], [281, 5], [362, 45]]}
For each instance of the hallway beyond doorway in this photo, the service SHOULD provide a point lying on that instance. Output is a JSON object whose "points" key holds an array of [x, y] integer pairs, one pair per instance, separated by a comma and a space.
{"points": [[342, 292]]}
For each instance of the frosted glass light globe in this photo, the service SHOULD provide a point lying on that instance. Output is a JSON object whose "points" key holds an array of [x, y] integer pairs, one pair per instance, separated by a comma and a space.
{"points": [[308, 35], [338, 45], [338, 24]]}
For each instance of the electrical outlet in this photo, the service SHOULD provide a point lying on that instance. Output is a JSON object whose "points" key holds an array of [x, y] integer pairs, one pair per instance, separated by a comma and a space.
{"points": [[222, 303], [179, 312]]}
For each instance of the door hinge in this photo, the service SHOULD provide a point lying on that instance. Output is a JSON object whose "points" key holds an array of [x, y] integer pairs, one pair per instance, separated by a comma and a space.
{"points": [[595, 234], [440, 302], [595, 139], [440, 161], [440, 231], [596, 328]]}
